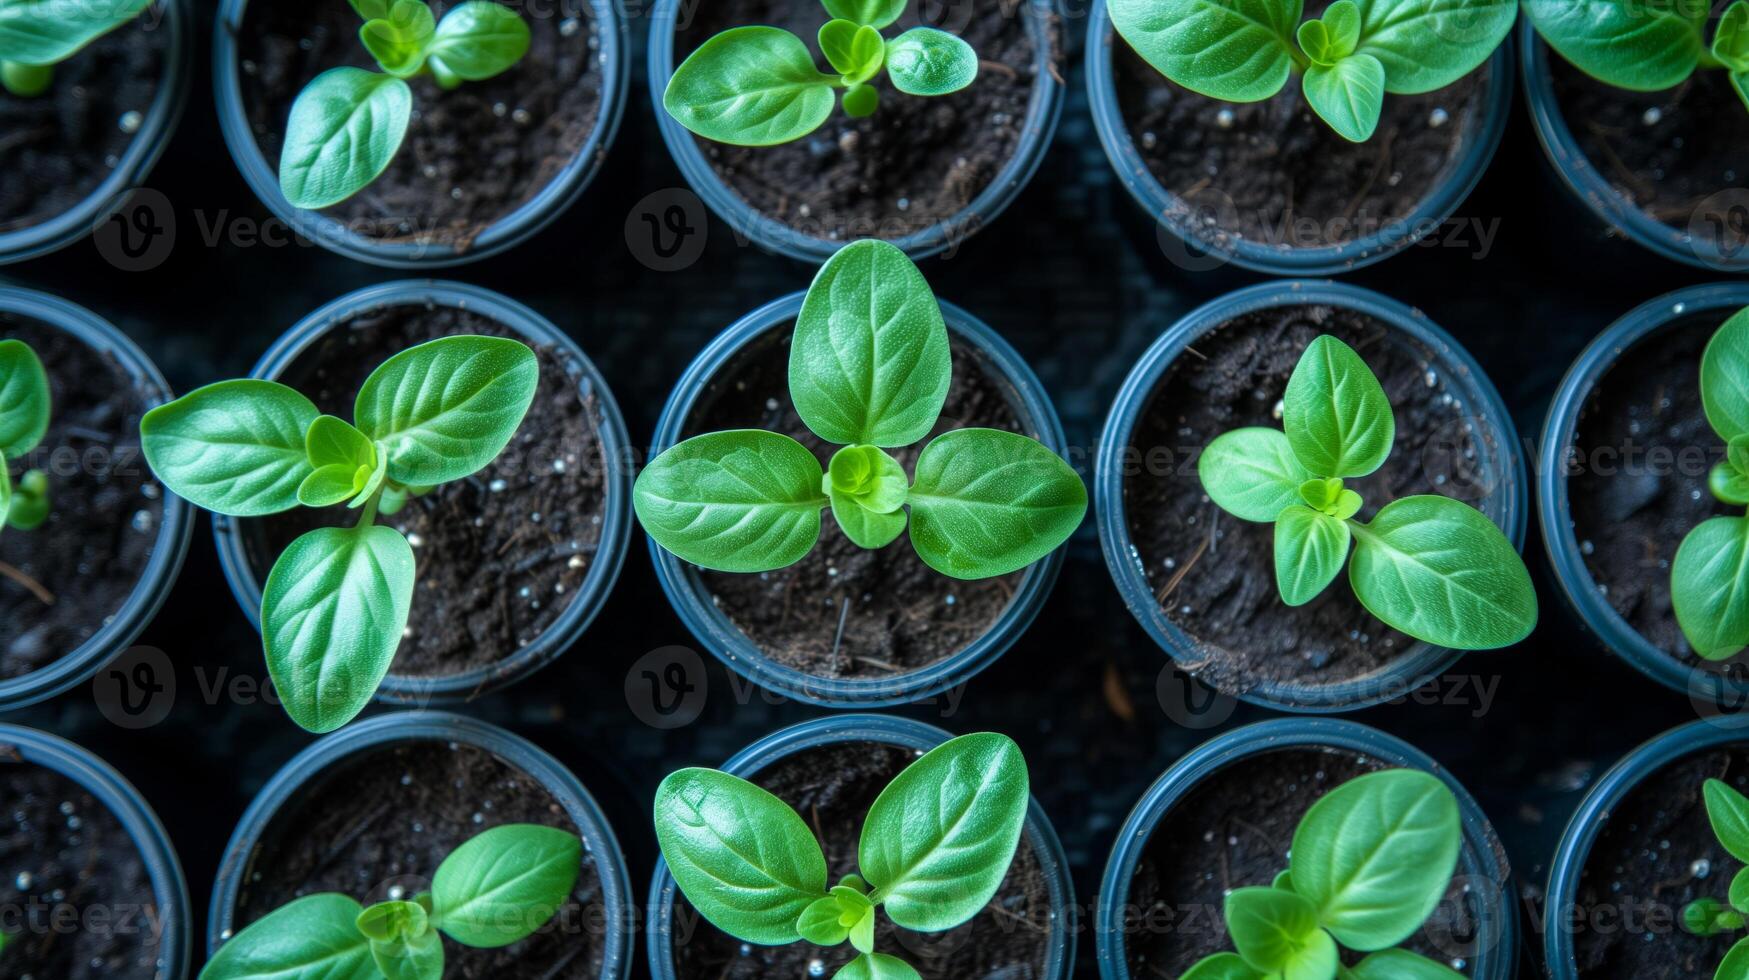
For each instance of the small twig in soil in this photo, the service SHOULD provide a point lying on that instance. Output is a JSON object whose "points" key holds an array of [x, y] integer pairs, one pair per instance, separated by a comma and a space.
{"points": [[1116, 698], [1199, 354], [1384, 160], [43, 595], [563, 962], [1178, 576], [838, 640], [1258, 831], [351, 835], [997, 67], [882, 664]]}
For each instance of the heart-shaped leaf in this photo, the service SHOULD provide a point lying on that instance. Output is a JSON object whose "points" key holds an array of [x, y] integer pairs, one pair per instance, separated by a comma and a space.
{"points": [[1223, 966], [1631, 44], [1728, 812], [987, 502], [740, 501], [24, 399], [1335, 412], [1251, 473], [502, 885], [874, 13], [409, 957], [926, 61], [1232, 50], [750, 86], [309, 937], [1425, 45], [398, 41], [45, 32], [446, 408], [1724, 378], [1400, 964], [345, 127], [478, 40], [855, 50], [1277, 932], [866, 528], [1349, 95], [1709, 587], [236, 447], [877, 966], [1310, 549]]}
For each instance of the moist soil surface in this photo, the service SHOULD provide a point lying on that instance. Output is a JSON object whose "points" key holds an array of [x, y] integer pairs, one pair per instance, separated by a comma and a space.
{"points": [[846, 611], [501, 553], [472, 155], [833, 787], [386, 820], [917, 161], [65, 857], [1214, 574], [106, 508], [1234, 830], [1656, 854], [58, 147]]}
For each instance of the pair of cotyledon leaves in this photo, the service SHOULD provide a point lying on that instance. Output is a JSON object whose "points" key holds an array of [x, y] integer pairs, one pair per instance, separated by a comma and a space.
{"points": [[1430, 566], [24, 420], [1646, 47], [1247, 50], [1728, 812], [869, 369], [1709, 578], [37, 34], [934, 848], [337, 600]]}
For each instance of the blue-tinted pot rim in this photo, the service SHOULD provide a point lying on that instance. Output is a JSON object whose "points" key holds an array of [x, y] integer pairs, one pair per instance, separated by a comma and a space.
{"points": [[1555, 505], [510, 230], [175, 527], [99, 778], [1484, 857], [1507, 505], [1158, 202], [136, 161], [386, 730], [1043, 112], [692, 599], [888, 730], [616, 518]]}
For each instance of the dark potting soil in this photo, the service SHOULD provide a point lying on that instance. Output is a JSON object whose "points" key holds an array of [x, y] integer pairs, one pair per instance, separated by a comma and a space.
{"points": [[1656, 854], [1215, 574], [65, 858], [914, 163], [386, 819], [832, 787], [58, 147], [846, 611], [1234, 830], [472, 155], [501, 553], [103, 527]]}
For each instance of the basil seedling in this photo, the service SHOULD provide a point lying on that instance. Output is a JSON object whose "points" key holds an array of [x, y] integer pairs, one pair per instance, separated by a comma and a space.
{"points": [[1370, 862], [336, 603], [1645, 47], [24, 420], [497, 888], [37, 35], [1428, 566], [935, 847], [1728, 812], [869, 370], [1247, 50], [348, 123], [758, 86]]}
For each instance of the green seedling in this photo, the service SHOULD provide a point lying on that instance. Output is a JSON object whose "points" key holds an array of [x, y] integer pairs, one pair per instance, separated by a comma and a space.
{"points": [[497, 888], [1728, 811], [758, 86], [934, 848], [336, 603], [869, 368], [1370, 862], [1646, 46], [24, 420], [348, 123], [37, 35], [1707, 578], [1429, 566], [1347, 60]]}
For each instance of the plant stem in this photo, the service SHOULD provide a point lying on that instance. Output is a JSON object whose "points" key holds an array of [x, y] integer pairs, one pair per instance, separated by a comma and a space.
{"points": [[369, 516], [26, 81], [43, 595]]}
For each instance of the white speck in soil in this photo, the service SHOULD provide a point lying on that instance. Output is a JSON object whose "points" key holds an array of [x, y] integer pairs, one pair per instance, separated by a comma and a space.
{"points": [[142, 521], [847, 140], [306, 44], [415, 540], [832, 572], [418, 828], [1278, 409], [1653, 115], [950, 600], [1701, 868], [429, 171], [746, 950], [1148, 140], [111, 161], [1694, 494], [1438, 117], [396, 893], [575, 562], [131, 121], [1432, 377], [249, 67], [497, 486], [816, 968], [558, 466], [520, 117], [1395, 178], [569, 27], [1586, 547], [1171, 563], [479, 818], [499, 109], [904, 204], [23, 881], [1224, 119], [535, 517]]}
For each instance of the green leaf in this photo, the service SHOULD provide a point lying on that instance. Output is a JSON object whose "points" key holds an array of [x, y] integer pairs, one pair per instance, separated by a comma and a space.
{"points": [[869, 476], [1310, 550], [1735, 965], [1284, 880], [1724, 378], [410, 958], [1631, 44], [333, 484], [1739, 893], [877, 966], [739, 501], [864, 527], [1232, 50], [1728, 484], [502, 885], [448, 407], [1709, 587], [1277, 932], [1710, 917], [371, 9], [24, 399], [1731, 40], [870, 361], [386, 921], [46, 32], [926, 61], [1400, 964], [332, 441], [1440, 571], [1349, 95], [29, 506], [345, 127], [478, 40], [874, 13], [819, 923], [5, 497], [310, 937], [236, 447], [398, 40], [861, 101], [856, 51], [1728, 812], [1223, 966], [938, 840], [1335, 412], [1251, 473], [739, 854], [332, 615], [1740, 82], [1375, 855], [987, 502], [1335, 36], [1425, 45], [750, 86]]}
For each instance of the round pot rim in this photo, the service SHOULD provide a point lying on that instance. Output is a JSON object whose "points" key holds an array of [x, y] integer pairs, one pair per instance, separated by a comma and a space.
{"points": [[112, 789], [1420, 662], [1487, 856], [586, 601], [1038, 130], [175, 527], [1555, 504], [736, 650], [436, 726], [509, 230], [904, 733], [1158, 202]]}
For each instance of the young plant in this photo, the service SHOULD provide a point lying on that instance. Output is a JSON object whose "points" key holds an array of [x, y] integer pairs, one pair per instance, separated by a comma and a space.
{"points": [[1370, 862], [869, 370], [37, 35], [1428, 566], [758, 86], [1728, 811], [336, 603], [1247, 50], [934, 848], [497, 888], [348, 123], [1646, 47], [1707, 578], [24, 420]]}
